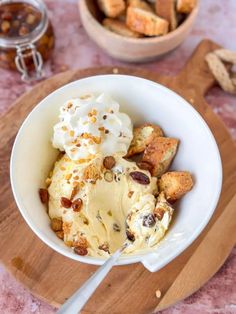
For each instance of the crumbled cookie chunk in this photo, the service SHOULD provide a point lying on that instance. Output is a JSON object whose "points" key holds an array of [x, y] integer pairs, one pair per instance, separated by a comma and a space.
{"points": [[91, 173], [175, 184], [112, 8], [159, 153], [146, 23], [142, 136], [185, 6], [166, 10], [140, 4]]}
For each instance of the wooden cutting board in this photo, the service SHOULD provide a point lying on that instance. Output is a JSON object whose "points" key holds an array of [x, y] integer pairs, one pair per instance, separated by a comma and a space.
{"points": [[127, 289]]}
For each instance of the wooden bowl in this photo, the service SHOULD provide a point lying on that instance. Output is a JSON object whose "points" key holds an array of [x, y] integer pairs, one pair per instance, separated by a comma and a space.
{"points": [[131, 49]]}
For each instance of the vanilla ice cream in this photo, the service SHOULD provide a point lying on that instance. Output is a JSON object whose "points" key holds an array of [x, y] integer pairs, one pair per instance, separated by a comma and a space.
{"points": [[100, 197]]}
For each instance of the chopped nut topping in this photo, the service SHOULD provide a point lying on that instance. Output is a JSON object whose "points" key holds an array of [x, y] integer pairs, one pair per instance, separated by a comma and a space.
{"points": [[130, 194], [56, 224], [81, 242], [74, 192], [65, 202], [109, 213], [72, 133], [101, 128], [106, 131], [116, 227], [48, 181], [140, 177], [43, 194], [66, 226], [64, 128], [62, 168], [109, 162], [77, 205], [104, 117], [93, 119], [68, 176], [104, 247], [108, 176], [91, 173], [68, 243]]}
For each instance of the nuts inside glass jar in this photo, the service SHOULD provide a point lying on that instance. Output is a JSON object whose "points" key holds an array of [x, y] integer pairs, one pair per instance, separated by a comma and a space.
{"points": [[23, 24]]}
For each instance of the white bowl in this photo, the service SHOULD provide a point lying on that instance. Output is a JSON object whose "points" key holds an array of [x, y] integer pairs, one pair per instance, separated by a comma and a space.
{"points": [[145, 101]]}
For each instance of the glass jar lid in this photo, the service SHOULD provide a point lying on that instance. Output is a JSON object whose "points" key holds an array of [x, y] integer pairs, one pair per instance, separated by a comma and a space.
{"points": [[32, 36]]}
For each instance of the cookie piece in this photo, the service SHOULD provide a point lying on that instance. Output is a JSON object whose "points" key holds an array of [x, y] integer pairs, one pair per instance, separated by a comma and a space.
{"points": [[140, 4], [160, 153], [112, 8], [146, 23], [142, 136], [166, 10], [119, 27], [185, 6], [175, 184]]}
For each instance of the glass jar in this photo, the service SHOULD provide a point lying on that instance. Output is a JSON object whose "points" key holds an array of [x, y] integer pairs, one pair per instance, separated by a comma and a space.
{"points": [[26, 37]]}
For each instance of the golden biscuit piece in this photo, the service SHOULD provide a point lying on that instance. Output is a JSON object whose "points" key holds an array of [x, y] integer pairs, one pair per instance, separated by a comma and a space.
{"points": [[159, 153], [175, 184], [146, 23], [142, 136], [140, 4], [185, 6], [112, 8], [119, 27], [166, 10]]}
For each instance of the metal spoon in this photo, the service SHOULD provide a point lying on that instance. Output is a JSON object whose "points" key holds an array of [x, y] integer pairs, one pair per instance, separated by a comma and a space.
{"points": [[77, 301]]}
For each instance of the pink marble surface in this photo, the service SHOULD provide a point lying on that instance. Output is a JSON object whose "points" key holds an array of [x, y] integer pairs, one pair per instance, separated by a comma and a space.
{"points": [[74, 50]]}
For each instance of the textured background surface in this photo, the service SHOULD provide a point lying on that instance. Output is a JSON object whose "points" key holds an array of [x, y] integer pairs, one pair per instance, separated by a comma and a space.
{"points": [[74, 50]]}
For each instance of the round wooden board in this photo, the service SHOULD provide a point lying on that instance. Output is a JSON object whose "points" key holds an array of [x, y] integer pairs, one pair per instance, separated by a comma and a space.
{"points": [[127, 289]]}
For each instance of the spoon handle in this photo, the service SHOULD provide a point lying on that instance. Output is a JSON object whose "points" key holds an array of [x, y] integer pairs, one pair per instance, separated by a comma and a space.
{"points": [[76, 302]]}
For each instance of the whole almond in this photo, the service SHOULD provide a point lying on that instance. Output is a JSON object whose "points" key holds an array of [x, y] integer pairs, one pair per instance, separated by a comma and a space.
{"points": [[65, 202], [109, 162], [80, 250], [140, 177], [77, 205], [43, 194]]}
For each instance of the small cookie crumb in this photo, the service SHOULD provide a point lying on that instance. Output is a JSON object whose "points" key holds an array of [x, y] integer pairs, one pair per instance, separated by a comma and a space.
{"points": [[158, 294], [115, 71]]}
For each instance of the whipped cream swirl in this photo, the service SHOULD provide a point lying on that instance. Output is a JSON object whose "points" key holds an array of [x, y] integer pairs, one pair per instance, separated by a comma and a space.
{"points": [[92, 125]]}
